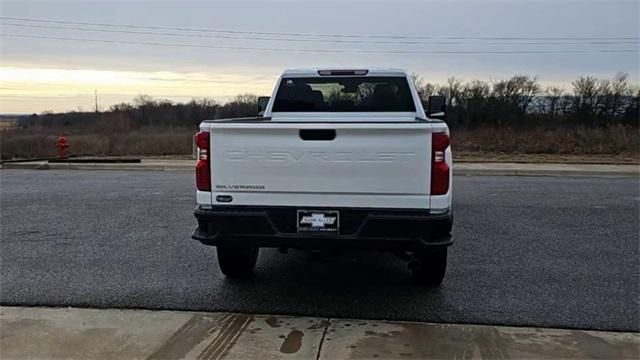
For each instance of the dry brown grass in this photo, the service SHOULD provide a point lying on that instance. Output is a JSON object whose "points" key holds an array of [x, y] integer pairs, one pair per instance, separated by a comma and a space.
{"points": [[23, 144], [7, 124], [613, 144], [612, 140]]}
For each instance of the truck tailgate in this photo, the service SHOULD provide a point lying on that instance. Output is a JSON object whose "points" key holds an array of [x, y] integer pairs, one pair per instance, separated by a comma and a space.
{"points": [[321, 164]]}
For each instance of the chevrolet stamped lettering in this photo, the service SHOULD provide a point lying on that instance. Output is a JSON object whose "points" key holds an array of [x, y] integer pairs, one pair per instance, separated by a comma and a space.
{"points": [[319, 156]]}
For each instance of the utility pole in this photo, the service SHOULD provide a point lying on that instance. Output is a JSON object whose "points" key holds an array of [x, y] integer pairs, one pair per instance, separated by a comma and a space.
{"points": [[95, 93]]}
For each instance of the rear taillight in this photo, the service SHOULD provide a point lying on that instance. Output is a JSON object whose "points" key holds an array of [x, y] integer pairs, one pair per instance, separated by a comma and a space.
{"points": [[203, 165], [439, 167]]}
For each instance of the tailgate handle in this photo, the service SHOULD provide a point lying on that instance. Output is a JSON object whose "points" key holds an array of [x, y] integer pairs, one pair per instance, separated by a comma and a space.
{"points": [[317, 134]]}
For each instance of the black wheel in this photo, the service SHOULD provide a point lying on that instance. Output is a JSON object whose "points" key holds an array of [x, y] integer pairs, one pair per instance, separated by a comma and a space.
{"points": [[237, 261], [432, 268]]}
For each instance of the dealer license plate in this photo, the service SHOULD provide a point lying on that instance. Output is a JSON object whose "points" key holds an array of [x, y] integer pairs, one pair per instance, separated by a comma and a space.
{"points": [[318, 221]]}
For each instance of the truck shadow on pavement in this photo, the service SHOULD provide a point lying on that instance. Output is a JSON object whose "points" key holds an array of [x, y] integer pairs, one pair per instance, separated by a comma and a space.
{"points": [[350, 284]]}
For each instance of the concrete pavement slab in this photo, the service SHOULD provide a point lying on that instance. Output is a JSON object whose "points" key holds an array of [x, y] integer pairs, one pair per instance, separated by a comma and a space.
{"points": [[203, 336], [65, 333], [279, 337], [48, 333], [354, 339]]}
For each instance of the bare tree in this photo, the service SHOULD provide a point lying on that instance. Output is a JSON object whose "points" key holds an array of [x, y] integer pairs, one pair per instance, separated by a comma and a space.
{"points": [[551, 104], [473, 102], [517, 92], [621, 93], [144, 103], [585, 92], [424, 88], [452, 91], [416, 80]]}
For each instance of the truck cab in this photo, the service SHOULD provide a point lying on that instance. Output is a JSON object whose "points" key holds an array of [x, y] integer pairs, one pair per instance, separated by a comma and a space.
{"points": [[339, 159]]}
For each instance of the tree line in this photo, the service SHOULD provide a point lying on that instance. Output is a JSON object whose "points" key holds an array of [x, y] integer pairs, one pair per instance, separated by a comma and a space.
{"points": [[519, 101], [147, 111], [522, 101]]}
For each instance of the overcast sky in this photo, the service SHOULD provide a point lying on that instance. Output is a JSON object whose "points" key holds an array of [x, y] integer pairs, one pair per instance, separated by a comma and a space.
{"points": [[40, 74]]}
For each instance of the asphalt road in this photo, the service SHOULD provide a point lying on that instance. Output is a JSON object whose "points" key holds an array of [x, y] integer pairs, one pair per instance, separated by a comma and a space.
{"points": [[529, 251]]}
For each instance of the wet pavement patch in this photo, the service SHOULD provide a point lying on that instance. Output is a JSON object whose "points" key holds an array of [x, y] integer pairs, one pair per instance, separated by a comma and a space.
{"points": [[292, 342], [420, 340]]}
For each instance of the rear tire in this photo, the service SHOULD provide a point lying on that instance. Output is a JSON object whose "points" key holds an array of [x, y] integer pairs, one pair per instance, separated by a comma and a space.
{"points": [[433, 267], [237, 261]]}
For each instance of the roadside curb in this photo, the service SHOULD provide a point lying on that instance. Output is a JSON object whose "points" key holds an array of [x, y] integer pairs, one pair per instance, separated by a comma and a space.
{"points": [[94, 166], [548, 173], [460, 169]]}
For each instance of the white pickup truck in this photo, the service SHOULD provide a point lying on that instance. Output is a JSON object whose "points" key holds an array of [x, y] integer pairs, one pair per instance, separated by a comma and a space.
{"points": [[339, 159]]}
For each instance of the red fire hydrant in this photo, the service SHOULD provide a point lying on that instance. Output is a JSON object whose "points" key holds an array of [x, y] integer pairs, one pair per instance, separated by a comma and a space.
{"points": [[62, 146]]}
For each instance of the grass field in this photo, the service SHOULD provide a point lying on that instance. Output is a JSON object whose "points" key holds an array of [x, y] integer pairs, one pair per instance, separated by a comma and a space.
{"points": [[600, 145]]}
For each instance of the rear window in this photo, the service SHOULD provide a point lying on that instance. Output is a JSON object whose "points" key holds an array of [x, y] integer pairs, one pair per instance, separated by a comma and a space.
{"points": [[344, 94]]}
